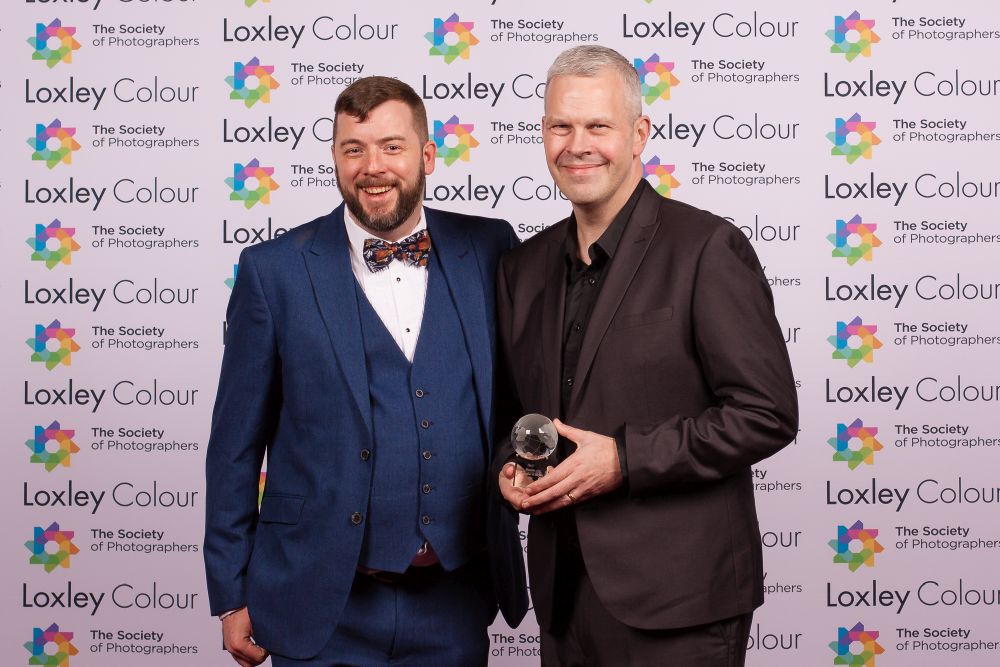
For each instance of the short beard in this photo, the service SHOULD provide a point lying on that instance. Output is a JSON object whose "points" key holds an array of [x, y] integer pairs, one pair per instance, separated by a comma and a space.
{"points": [[406, 202]]}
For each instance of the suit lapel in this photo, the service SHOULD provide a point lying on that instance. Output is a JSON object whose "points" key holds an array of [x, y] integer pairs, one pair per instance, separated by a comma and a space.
{"points": [[629, 255], [461, 269], [328, 262], [553, 312]]}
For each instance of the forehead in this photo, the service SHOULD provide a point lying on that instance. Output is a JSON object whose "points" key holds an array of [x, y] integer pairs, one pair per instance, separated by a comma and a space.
{"points": [[602, 94], [392, 118]]}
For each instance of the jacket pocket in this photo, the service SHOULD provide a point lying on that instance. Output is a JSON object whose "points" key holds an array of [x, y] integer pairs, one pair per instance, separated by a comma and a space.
{"points": [[645, 317], [281, 508]]}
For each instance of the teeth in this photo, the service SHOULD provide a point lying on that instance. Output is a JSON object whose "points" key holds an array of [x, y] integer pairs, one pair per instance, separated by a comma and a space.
{"points": [[377, 191]]}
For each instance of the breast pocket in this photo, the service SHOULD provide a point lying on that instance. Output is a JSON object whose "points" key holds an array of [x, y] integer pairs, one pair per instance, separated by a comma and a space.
{"points": [[646, 317]]}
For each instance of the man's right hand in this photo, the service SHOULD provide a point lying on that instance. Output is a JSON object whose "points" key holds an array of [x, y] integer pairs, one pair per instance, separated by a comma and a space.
{"points": [[237, 637], [512, 481]]}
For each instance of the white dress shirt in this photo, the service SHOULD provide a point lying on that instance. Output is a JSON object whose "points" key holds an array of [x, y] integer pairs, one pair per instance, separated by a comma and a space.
{"points": [[397, 292]]}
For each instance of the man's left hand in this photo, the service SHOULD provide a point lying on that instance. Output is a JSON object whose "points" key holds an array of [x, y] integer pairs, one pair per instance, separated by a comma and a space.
{"points": [[591, 470]]}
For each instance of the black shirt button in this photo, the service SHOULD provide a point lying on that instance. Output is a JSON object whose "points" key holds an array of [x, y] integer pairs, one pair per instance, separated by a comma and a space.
{"points": [[425, 519], [577, 326], [356, 518], [424, 423], [427, 455], [592, 281], [365, 454], [419, 393], [426, 488], [569, 382]]}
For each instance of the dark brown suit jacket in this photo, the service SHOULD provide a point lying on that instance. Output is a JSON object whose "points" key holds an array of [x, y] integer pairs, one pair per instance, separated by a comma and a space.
{"points": [[684, 352]]}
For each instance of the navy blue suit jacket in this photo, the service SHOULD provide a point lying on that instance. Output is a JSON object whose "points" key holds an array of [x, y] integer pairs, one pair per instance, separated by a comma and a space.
{"points": [[294, 385]]}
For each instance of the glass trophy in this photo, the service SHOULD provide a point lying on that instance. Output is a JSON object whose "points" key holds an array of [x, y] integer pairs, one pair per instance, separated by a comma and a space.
{"points": [[534, 438]]}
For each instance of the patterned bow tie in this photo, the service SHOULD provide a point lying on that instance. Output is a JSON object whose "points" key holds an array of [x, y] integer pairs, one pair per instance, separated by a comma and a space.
{"points": [[414, 249]]}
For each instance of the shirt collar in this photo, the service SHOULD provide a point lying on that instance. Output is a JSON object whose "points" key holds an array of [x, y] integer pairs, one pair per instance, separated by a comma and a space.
{"points": [[611, 238]]}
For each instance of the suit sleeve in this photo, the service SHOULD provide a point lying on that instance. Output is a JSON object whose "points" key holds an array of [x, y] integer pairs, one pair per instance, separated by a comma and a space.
{"points": [[246, 408], [745, 364], [506, 408]]}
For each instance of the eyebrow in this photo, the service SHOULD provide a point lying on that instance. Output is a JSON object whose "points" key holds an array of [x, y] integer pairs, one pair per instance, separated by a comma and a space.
{"points": [[589, 121], [383, 140]]}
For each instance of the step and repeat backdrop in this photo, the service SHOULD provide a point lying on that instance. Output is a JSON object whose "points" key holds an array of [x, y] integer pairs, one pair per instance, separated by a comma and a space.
{"points": [[147, 142]]}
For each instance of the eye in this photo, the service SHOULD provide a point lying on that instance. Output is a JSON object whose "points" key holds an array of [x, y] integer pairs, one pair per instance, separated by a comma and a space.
{"points": [[393, 148], [353, 150]]}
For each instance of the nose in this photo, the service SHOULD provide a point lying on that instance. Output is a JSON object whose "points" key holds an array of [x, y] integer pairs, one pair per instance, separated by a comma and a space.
{"points": [[579, 144], [374, 164]]}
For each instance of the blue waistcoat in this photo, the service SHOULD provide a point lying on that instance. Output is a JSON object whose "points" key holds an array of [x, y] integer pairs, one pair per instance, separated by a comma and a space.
{"points": [[430, 454]]}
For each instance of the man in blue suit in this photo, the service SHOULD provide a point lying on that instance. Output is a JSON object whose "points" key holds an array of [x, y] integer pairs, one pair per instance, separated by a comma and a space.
{"points": [[359, 360]]}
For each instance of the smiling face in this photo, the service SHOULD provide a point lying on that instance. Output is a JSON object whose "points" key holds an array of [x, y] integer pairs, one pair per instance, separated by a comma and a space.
{"points": [[381, 164], [592, 142]]}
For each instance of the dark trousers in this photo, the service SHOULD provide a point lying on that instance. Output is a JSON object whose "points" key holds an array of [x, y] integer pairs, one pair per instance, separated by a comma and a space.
{"points": [[586, 635], [437, 618]]}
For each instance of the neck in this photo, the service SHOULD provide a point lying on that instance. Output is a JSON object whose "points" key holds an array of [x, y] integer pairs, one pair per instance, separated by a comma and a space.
{"points": [[593, 219]]}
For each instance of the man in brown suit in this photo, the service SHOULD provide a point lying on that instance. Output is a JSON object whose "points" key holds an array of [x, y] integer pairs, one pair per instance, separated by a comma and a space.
{"points": [[646, 326]]}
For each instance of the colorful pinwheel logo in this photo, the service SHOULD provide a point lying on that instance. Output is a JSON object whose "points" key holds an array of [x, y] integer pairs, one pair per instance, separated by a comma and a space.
{"points": [[451, 38], [232, 281], [53, 345], [854, 240], [53, 144], [852, 36], [454, 140], [660, 176], [866, 640], [251, 183], [54, 43], [855, 444], [855, 546], [855, 342], [252, 82], [63, 450], [53, 244], [656, 78], [853, 138], [251, 3], [51, 547], [61, 653]]}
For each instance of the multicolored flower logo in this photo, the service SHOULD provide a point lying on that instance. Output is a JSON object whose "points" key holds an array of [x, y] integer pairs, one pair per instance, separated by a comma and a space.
{"points": [[855, 342], [451, 38], [251, 183], [656, 78], [54, 43], [660, 176], [856, 546], [53, 144], [454, 140], [53, 244], [64, 446], [251, 3], [854, 240], [864, 442], [232, 281], [852, 36], [64, 648], [853, 138], [252, 82], [51, 547], [53, 345], [866, 640]]}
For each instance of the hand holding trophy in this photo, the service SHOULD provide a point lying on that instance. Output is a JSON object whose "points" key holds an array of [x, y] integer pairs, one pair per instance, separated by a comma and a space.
{"points": [[534, 439]]}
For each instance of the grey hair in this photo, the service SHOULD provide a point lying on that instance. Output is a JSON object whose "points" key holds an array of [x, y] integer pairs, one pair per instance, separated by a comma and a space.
{"points": [[589, 60]]}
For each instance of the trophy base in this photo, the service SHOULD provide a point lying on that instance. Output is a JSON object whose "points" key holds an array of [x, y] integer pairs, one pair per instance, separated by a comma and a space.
{"points": [[533, 469]]}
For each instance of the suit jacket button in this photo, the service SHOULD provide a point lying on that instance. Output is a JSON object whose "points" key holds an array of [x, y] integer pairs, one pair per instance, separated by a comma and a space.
{"points": [[424, 423], [426, 488], [427, 455], [425, 519], [356, 518], [365, 454]]}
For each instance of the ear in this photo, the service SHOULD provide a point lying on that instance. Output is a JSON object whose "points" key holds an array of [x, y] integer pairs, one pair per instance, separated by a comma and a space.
{"points": [[429, 155], [640, 131]]}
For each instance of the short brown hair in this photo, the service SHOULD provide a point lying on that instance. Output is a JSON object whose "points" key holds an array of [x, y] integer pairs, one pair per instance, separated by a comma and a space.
{"points": [[359, 98]]}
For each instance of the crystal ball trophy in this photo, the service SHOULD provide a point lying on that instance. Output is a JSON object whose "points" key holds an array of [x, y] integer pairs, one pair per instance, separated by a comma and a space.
{"points": [[534, 438]]}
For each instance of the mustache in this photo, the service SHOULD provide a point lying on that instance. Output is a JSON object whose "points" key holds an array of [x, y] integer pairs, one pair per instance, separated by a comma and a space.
{"points": [[375, 183]]}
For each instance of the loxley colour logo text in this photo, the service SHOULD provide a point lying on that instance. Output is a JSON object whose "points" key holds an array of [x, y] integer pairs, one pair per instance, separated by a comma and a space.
{"points": [[855, 342], [451, 38], [53, 345], [852, 36], [51, 647], [855, 444], [656, 77], [853, 138], [454, 140], [865, 641], [855, 546], [51, 547], [61, 450], [53, 144], [252, 82], [53, 244], [54, 43], [854, 240], [251, 183], [660, 176]]}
